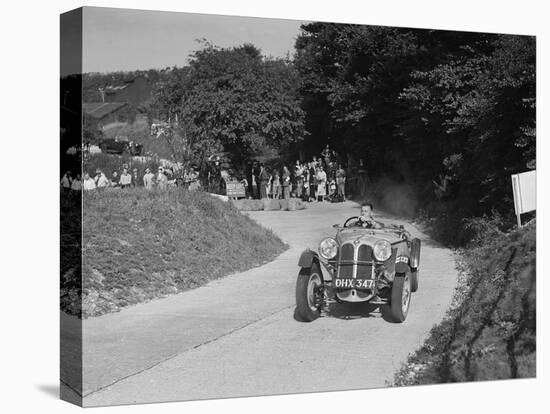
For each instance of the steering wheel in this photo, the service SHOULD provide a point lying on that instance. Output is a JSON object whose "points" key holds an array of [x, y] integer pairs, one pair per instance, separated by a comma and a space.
{"points": [[350, 219]]}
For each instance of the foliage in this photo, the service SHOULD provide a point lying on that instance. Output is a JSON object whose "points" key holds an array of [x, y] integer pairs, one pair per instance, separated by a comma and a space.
{"points": [[449, 115], [138, 245], [490, 331], [109, 163], [233, 100]]}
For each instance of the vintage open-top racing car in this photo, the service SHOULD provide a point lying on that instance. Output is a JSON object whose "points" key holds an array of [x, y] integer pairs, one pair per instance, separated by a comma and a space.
{"points": [[376, 264]]}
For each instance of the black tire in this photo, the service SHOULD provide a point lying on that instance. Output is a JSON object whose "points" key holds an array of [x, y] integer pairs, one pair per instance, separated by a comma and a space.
{"points": [[414, 280], [308, 285], [396, 310]]}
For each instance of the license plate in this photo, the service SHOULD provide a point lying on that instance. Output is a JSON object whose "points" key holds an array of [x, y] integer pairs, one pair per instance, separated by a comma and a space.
{"points": [[354, 283]]}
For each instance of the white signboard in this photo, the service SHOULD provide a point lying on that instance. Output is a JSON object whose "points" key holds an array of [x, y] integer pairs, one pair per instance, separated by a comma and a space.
{"points": [[525, 193]]}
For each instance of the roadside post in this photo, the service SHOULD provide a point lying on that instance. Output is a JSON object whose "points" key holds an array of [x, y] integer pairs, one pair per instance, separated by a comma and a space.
{"points": [[524, 186]]}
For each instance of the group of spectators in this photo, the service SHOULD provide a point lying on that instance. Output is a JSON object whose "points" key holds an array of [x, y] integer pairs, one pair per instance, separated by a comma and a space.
{"points": [[123, 180], [323, 178], [320, 179]]}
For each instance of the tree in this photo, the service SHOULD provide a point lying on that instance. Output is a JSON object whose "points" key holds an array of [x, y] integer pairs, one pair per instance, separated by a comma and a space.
{"points": [[483, 105], [448, 114], [234, 97]]}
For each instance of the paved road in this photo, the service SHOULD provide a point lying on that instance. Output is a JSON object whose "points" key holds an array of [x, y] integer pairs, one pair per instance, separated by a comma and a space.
{"points": [[237, 336]]}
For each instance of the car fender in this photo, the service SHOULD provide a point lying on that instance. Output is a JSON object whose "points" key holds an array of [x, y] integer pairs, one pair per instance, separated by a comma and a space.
{"points": [[307, 258], [414, 261]]}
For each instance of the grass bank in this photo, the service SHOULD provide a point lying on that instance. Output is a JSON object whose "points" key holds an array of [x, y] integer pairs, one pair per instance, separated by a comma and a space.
{"points": [[490, 330], [140, 245]]}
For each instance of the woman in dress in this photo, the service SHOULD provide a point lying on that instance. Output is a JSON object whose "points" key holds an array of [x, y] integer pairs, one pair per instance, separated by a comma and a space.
{"points": [[276, 185], [321, 184], [286, 183]]}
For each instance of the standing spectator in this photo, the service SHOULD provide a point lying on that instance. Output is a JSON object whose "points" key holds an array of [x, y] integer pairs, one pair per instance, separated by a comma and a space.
{"points": [[329, 156], [321, 184], [135, 180], [66, 180], [299, 178], [313, 180], [89, 183], [162, 180], [193, 180], [306, 192], [125, 179], [286, 183], [341, 182], [315, 163], [276, 185], [331, 188], [76, 185], [249, 179], [148, 179], [114, 180], [264, 179], [101, 181], [256, 181], [215, 184]]}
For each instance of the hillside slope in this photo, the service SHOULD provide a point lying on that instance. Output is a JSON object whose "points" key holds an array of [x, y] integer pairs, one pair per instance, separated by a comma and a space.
{"points": [[139, 245], [490, 331]]}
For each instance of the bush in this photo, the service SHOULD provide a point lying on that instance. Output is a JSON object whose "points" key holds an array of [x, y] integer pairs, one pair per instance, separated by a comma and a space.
{"points": [[490, 331]]}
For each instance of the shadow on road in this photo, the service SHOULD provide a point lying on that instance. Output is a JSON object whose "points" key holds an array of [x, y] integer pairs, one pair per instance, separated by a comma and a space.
{"points": [[49, 389], [347, 311], [353, 310]]}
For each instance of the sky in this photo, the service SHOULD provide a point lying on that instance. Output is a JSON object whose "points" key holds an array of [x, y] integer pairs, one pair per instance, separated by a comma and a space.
{"points": [[125, 39]]}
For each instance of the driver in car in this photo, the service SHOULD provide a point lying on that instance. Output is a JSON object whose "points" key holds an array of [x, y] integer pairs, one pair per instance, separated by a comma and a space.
{"points": [[366, 219]]}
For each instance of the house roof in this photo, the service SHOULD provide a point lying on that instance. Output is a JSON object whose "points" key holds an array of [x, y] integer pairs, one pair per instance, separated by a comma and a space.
{"points": [[111, 89], [99, 110]]}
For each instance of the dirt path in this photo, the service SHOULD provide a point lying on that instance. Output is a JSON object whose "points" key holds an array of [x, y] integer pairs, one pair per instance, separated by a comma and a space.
{"points": [[237, 336]]}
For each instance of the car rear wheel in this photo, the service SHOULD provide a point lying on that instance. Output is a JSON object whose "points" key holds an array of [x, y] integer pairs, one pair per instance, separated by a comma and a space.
{"points": [[414, 280], [309, 293], [400, 300]]}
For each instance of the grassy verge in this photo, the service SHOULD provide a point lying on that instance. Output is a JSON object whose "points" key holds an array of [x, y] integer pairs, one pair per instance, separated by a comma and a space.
{"points": [[490, 330], [140, 245]]}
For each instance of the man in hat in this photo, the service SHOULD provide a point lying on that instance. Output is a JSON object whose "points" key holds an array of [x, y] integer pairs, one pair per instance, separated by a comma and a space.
{"points": [[66, 180], [114, 179], [125, 179], [161, 179], [264, 179], [148, 179], [89, 183], [101, 181]]}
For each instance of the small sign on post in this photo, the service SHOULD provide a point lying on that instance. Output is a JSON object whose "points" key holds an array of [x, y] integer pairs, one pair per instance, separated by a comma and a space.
{"points": [[235, 189], [524, 186]]}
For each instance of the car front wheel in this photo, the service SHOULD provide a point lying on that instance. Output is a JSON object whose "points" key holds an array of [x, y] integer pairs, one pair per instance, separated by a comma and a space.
{"points": [[398, 308], [309, 293]]}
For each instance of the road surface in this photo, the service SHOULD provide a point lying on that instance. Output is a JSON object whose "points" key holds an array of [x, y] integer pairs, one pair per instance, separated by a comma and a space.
{"points": [[237, 336]]}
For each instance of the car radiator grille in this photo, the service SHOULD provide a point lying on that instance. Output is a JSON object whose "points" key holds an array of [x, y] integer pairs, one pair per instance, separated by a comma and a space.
{"points": [[364, 254], [346, 253]]}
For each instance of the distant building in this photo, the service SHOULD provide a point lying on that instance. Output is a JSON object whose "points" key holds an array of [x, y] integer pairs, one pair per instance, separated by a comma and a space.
{"points": [[105, 113], [134, 92]]}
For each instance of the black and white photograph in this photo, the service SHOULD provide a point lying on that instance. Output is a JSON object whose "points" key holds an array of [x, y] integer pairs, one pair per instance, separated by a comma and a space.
{"points": [[296, 207], [263, 206]]}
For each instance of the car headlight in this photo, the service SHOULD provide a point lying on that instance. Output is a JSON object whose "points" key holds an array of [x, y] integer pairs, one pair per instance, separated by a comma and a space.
{"points": [[328, 248], [382, 250]]}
